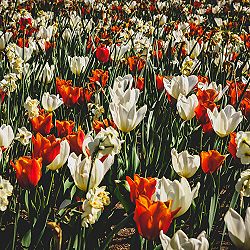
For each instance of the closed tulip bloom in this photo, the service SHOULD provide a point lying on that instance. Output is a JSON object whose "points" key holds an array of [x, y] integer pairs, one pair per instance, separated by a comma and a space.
{"points": [[78, 64], [180, 85], [76, 140], [102, 54], [67, 35], [51, 102], [239, 230], [4, 39], [118, 51], [80, 170], [186, 106], [28, 171], [123, 110], [225, 121], [211, 161], [151, 217], [184, 164], [141, 186], [62, 156], [6, 136], [47, 73], [179, 192], [243, 146], [180, 241]]}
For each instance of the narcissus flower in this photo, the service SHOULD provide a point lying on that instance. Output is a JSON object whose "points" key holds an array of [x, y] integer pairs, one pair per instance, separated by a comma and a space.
{"points": [[225, 121], [180, 241], [180, 85], [178, 191], [151, 217], [239, 231], [42, 123], [141, 186], [31, 105], [5, 190], [184, 164], [186, 106], [6, 136], [102, 54], [51, 102], [211, 161], [28, 171], [23, 135], [80, 170], [243, 184], [243, 146]]}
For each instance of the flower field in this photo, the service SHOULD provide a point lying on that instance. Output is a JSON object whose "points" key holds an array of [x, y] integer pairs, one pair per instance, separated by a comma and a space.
{"points": [[125, 120]]}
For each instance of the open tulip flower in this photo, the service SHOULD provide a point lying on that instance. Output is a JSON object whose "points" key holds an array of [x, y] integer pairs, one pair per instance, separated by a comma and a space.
{"points": [[239, 231], [51, 102], [186, 106], [211, 161], [184, 164], [42, 123], [141, 186], [225, 121], [153, 216], [180, 241], [180, 85], [78, 64], [178, 191]]}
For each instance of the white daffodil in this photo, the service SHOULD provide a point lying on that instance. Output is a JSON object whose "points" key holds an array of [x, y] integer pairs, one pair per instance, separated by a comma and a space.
{"points": [[225, 121], [23, 136], [243, 146], [243, 184], [5, 190], [31, 105]]}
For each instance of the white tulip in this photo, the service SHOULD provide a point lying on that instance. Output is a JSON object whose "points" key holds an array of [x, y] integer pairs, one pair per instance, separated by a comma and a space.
{"points": [[80, 170], [67, 35], [186, 106], [124, 114], [180, 241], [45, 32], [4, 39], [239, 231], [78, 64], [24, 53], [243, 184], [180, 85], [62, 157], [225, 121], [51, 102], [243, 146], [6, 136], [47, 73], [184, 164], [179, 192], [118, 51]]}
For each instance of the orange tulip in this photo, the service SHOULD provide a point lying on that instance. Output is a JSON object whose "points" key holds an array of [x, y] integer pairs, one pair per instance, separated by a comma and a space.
{"points": [[62, 82], [70, 95], [97, 125], [28, 171], [64, 128], [136, 64], [159, 82], [100, 76], [152, 217], [46, 147], [211, 161], [42, 123], [140, 83], [141, 186], [75, 141], [232, 146]]}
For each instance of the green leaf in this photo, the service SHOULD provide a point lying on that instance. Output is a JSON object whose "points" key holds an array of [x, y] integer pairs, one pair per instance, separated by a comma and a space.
{"points": [[26, 240]]}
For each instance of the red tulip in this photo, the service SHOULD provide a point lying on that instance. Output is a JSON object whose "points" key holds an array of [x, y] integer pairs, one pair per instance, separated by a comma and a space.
{"points": [[102, 54], [42, 124], [64, 128]]}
